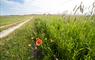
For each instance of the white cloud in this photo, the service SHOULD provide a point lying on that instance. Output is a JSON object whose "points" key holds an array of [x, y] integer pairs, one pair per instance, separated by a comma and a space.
{"points": [[59, 6], [45, 6]]}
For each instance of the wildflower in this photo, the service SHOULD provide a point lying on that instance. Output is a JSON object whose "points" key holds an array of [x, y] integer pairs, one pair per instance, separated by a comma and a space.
{"points": [[29, 45], [39, 42], [51, 40], [32, 37]]}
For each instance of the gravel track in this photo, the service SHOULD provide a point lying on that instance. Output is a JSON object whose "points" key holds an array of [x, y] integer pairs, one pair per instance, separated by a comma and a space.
{"points": [[6, 32]]}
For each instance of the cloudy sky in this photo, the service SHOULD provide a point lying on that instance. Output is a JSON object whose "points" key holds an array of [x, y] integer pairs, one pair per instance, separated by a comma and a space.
{"points": [[20, 7]]}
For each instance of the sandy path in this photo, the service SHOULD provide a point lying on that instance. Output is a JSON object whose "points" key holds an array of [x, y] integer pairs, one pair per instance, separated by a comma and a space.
{"points": [[6, 32], [1, 27]]}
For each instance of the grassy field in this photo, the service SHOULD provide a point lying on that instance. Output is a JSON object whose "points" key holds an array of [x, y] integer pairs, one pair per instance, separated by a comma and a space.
{"points": [[5, 20], [64, 38], [15, 46], [8, 21]]}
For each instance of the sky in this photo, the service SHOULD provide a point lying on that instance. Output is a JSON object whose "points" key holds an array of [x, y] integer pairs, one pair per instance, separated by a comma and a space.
{"points": [[21, 7]]}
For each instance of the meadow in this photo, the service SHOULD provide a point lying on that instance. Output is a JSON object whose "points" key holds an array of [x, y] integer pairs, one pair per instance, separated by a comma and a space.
{"points": [[5, 20], [8, 21], [64, 38]]}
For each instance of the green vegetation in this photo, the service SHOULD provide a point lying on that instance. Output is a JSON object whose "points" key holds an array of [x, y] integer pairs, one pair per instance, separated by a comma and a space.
{"points": [[64, 38], [5, 20], [9, 21], [15, 46]]}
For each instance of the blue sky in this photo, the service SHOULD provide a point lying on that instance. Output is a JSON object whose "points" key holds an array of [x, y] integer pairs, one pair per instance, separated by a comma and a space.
{"points": [[19, 1], [20, 7]]}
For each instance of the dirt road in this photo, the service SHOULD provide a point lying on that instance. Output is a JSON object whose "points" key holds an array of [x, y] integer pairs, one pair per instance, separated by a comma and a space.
{"points": [[6, 32]]}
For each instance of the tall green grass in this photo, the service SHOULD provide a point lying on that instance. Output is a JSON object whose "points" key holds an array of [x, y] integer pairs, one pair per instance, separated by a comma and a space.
{"points": [[16, 46], [64, 38], [71, 38]]}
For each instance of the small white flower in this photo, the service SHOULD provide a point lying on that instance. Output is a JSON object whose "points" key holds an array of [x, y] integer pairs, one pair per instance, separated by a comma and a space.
{"points": [[29, 45], [51, 40], [32, 38]]}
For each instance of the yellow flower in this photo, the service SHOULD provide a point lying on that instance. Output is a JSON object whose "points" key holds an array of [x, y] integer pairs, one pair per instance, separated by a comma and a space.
{"points": [[29, 45], [32, 38]]}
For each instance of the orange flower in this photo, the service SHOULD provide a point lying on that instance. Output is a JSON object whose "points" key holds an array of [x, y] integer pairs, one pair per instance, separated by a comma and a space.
{"points": [[39, 42]]}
